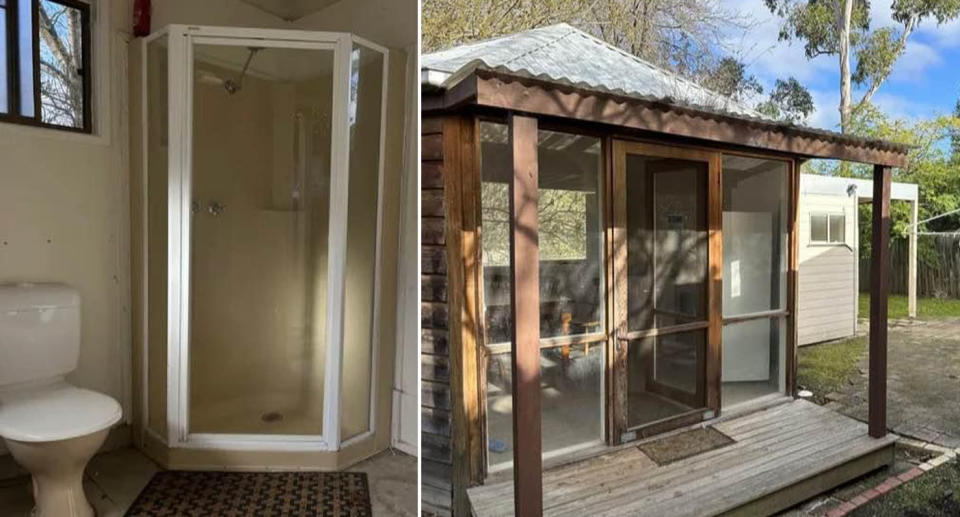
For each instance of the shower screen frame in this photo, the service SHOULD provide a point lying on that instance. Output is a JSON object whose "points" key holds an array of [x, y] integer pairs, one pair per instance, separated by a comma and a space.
{"points": [[181, 40]]}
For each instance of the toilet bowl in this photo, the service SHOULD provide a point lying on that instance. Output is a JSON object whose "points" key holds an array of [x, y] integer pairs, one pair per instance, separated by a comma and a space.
{"points": [[50, 427]]}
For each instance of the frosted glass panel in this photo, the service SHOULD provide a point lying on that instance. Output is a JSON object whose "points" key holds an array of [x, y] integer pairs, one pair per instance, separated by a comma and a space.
{"points": [[157, 212], [837, 224], [259, 233], [818, 227], [755, 210], [366, 89]]}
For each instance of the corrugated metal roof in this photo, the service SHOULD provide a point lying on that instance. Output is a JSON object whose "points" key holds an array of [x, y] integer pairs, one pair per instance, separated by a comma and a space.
{"points": [[564, 55]]}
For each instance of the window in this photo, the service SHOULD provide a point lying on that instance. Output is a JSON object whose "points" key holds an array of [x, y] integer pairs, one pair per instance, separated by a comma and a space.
{"points": [[827, 228], [572, 357], [45, 69]]}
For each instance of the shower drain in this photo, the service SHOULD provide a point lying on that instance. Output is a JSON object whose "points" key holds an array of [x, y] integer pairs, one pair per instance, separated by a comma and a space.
{"points": [[271, 417]]}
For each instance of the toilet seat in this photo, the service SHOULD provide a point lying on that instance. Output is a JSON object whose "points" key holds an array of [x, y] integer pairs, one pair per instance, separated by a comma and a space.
{"points": [[56, 411]]}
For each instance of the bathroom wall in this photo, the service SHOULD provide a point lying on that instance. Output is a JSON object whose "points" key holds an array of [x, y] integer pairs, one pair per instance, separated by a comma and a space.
{"points": [[64, 210]]}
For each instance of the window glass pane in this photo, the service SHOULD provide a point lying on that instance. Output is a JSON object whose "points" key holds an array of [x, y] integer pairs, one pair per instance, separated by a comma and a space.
{"points": [[666, 241], [571, 262], [571, 380], [818, 228], [571, 272], [4, 72], [366, 93], [25, 28], [61, 64], [755, 206], [754, 352], [662, 375], [837, 223]]}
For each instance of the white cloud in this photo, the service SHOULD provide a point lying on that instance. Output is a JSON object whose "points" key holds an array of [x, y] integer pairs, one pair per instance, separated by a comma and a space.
{"points": [[827, 114], [916, 59]]}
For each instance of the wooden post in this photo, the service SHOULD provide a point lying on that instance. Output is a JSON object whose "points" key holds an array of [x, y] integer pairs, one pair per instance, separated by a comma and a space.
{"points": [[912, 262], [525, 300], [879, 271]]}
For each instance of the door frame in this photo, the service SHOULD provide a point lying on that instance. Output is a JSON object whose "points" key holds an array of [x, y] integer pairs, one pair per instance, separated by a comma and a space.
{"points": [[709, 379], [180, 78]]}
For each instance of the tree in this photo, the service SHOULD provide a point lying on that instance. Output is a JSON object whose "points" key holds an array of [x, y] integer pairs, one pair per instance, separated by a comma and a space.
{"points": [[730, 78], [61, 83], [842, 28], [789, 101], [687, 37]]}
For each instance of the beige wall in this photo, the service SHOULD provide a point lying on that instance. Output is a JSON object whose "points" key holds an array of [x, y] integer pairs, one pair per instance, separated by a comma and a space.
{"points": [[826, 288], [64, 215]]}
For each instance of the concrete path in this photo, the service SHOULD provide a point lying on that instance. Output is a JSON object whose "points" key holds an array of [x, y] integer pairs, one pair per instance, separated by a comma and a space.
{"points": [[923, 383]]}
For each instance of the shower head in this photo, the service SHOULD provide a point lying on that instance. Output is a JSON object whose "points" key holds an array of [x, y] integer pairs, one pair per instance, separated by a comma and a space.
{"points": [[232, 86]]}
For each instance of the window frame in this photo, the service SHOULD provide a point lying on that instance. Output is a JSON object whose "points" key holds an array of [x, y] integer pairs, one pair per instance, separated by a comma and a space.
{"points": [[14, 112], [828, 241]]}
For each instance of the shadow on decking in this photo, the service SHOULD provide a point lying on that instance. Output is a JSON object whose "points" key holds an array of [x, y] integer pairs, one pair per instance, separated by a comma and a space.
{"points": [[783, 455]]}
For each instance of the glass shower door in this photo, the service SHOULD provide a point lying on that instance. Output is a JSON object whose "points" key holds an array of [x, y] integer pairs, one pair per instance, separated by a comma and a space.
{"points": [[259, 228]]}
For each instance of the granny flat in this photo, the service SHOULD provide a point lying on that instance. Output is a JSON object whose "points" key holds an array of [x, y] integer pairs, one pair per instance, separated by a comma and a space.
{"points": [[610, 261]]}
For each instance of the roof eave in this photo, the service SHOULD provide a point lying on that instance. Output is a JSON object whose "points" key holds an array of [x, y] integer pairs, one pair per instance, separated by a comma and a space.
{"points": [[497, 89]]}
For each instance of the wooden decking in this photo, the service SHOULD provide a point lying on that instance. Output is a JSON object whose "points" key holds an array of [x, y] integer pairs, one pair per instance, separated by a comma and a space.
{"points": [[782, 455]]}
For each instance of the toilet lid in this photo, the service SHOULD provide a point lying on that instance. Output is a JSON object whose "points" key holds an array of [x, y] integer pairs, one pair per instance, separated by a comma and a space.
{"points": [[55, 412]]}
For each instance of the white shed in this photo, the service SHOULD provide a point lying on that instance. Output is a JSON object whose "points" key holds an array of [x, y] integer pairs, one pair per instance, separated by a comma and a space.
{"points": [[829, 241]]}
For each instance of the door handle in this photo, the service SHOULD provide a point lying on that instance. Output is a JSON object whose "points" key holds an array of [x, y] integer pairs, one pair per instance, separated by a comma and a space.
{"points": [[215, 208]]}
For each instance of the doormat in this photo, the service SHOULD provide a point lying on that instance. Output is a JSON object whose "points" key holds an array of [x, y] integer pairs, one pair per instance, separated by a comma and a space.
{"points": [[319, 494], [684, 445]]}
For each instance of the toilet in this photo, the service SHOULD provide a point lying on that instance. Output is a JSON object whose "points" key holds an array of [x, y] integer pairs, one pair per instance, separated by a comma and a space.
{"points": [[50, 427]]}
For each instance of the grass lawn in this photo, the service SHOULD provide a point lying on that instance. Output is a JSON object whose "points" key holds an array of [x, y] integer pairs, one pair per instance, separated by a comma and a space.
{"points": [[825, 368], [927, 308], [935, 494]]}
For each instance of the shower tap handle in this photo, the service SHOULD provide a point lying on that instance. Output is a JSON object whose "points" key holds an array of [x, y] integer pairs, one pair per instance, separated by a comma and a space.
{"points": [[215, 208]]}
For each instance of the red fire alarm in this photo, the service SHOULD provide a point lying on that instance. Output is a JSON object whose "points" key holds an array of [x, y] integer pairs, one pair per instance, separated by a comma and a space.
{"points": [[141, 18]]}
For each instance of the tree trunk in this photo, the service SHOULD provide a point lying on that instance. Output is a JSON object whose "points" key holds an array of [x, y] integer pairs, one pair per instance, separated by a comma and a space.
{"points": [[844, 43]]}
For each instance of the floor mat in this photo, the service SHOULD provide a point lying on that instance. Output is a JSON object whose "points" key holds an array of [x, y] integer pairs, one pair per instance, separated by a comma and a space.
{"points": [[684, 445], [320, 494]]}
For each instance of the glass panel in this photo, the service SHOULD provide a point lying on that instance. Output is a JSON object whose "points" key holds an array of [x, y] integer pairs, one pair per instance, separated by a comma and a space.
{"points": [[25, 34], [61, 64], [571, 245], [571, 398], [4, 62], [666, 241], [366, 89], [755, 205], [157, 159], [571, 290], [818, 227], [261, 179], [837, 228], [754, 352], [663, 375]]}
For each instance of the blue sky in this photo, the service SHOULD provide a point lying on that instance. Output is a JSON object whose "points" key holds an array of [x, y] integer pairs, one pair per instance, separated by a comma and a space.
{"points": [[925, 81]]}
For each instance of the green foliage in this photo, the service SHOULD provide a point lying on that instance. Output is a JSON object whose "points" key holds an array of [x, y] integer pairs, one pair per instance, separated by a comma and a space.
{"points": [[931, 165], [789, 100], [927, 308], [815, 22], [934, 494], [730, 78], [826, 368]]}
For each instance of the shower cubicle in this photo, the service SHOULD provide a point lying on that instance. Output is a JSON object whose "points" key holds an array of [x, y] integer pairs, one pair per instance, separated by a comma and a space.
{"points": [[260, 212]]}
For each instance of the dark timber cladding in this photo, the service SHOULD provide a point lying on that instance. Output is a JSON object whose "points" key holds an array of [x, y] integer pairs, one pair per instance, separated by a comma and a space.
{"points": [[435, 344], [525, 299], [879, 262]]}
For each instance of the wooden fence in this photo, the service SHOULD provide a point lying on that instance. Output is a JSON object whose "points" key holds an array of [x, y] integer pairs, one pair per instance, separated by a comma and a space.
{"points": [[937, 277]]}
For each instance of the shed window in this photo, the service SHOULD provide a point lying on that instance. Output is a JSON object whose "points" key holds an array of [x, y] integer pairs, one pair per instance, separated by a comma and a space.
{"points": [[45, 69], [571, 291], [827, 228]]}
